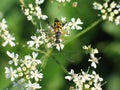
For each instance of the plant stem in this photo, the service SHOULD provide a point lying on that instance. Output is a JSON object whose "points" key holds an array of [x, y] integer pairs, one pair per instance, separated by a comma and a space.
{"points": [[38, 50], [22, 2], [45, 58], [84, 31]]}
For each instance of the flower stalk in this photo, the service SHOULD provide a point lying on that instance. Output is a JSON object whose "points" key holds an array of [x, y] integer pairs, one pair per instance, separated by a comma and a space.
{"points": [[37, 50], [84, 31], [45, 58]]}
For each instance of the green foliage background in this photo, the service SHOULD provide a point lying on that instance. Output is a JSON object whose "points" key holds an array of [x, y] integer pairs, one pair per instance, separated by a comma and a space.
{"points": [[105, 37]]}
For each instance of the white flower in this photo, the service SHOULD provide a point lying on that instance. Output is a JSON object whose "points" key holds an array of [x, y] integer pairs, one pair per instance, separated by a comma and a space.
{"points": [[30, 61], [39, 2], [10, 73], [118, 6], [34, 10], [71, 72], [97, 86], [86, 47], [104, 16], [9, 40], [6, 36], [34, 60], [117, 20], [66, 28], [109, 11], [87, 86], [36, 75], [74, 4], [44, 17], [105, 5], [35, 41], [26, 61], [113, 4], [39, 14], [29, 17], [49, 45], [26, 11], [32, 86], [85, 76], [75, 24], [31, 6], [59, 46], [19, 84], [43, 36], [96, 77], [94, 61], [14, 58], [63, 19], [97, 6], [69, 78], [92, 53], [3, 24], [72, 75], [19, 69]]}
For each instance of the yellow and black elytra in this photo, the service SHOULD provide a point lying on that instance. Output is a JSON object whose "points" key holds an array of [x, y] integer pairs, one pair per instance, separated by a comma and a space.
{"points": [[57, 30]]}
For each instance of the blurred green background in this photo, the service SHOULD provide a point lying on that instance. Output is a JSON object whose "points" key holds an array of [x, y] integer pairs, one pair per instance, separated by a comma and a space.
{"points": [[105, 37]]}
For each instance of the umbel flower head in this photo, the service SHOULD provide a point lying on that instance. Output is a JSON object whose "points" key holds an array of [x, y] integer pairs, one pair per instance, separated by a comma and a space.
{"points": [[86, 80], [49, 38], [109, 11], [5, 35], [23, 72], [33, 10], [93, 59]]}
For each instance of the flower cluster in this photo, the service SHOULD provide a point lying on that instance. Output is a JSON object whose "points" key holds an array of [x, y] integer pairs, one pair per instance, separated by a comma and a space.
{"points": [[48, 38], [5, 35], [43, 39], [25, 73], [74, 24], [86, 80], [74, 4], [92, 53], [33, 10], [109, 11]]}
